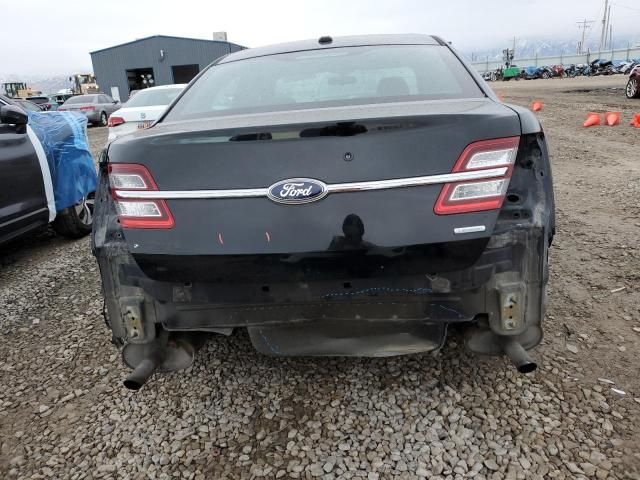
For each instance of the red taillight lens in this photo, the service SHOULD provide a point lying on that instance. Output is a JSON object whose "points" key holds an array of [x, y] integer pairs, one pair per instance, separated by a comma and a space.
{"points": [[115, 121], [484, 194], [137, 212], [87, 109]]}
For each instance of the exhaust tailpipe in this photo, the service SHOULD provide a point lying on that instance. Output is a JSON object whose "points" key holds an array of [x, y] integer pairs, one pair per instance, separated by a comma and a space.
{"points": [[165, 354], [139, 376], [518, 355]]}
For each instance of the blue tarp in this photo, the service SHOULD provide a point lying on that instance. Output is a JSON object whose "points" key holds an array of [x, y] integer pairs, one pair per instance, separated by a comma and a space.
{"points": [[64, 140]]}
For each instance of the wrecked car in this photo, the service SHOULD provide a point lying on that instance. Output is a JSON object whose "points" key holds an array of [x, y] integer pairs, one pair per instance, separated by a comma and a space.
{"points": [[47, 174], [349, 196]]}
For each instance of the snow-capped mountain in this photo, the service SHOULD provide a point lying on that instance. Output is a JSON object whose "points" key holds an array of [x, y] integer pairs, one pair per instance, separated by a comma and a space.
{"points": [[542, 47]]}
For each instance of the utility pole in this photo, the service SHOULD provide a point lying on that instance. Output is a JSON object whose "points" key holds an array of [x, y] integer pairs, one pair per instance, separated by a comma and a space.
{"points": [[604, 24], [607, 30], [583, 26], [611, 38]]}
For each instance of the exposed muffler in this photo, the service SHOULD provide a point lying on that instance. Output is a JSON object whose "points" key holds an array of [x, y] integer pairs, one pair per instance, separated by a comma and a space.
{"points": [[517, 354], [166, 353]]}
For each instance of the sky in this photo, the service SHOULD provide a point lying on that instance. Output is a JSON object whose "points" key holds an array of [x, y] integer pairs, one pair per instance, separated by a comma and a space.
{"points": [[54, 37]]}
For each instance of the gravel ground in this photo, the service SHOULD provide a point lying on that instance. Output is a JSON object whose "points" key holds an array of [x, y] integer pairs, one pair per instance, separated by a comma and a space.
{"points": [[238, 414]]}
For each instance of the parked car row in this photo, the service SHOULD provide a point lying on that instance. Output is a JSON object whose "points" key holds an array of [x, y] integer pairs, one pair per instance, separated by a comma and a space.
{"points": [[594, 68], [140, 111]]}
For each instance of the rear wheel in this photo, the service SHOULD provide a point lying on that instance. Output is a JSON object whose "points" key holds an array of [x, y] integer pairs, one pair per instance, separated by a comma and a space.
{"points": [[632, 89], [103, 119], [76, 221]]}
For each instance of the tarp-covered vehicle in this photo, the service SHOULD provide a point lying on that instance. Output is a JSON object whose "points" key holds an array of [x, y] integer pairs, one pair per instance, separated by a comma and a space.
{"points": [[351, 196], [47, 172]]}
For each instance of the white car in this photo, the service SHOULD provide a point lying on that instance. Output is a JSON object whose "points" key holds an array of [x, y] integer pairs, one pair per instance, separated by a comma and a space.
{"points": [[142, 110]]}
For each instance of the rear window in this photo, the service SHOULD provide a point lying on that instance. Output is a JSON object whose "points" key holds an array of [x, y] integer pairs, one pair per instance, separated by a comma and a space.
{"points": [[325, 78], [38, 100], [149, 98], [82, 99]]}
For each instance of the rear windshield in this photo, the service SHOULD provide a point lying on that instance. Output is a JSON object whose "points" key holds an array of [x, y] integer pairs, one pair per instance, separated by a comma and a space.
{"points": [[81, 99], [149, 98], [38, 99], [325, 78]]}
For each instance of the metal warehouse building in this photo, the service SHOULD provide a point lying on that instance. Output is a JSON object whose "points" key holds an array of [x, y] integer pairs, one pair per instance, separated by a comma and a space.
{"points": [[151, 61]]}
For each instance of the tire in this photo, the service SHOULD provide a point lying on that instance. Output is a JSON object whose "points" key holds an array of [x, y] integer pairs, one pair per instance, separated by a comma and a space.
{"points": [[545, 75], [77, 221], [632, 89], [104, 119]]}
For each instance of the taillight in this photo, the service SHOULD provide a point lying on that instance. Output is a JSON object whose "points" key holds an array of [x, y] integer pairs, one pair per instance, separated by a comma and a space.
{"points": [[132, 212], [485, 194], [87, 109], [115, 121]]}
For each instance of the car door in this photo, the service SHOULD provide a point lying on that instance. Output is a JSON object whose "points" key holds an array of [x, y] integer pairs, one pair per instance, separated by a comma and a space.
{"points": [[23, 202]]}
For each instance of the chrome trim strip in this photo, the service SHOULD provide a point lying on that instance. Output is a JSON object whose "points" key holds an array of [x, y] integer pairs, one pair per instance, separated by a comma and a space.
{"points": [[474, 229], [333, 188]]}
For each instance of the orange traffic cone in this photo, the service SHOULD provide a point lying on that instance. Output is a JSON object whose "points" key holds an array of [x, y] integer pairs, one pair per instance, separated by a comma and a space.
{"points": [[612, 118], [592, 119], [636, 120], [536, 105]]}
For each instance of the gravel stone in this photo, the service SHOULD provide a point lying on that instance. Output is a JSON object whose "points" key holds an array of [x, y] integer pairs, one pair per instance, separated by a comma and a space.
{"points": [[236, 413]]}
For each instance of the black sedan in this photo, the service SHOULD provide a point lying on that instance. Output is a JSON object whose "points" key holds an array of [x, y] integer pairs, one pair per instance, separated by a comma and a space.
{"points": [[341, 196]]}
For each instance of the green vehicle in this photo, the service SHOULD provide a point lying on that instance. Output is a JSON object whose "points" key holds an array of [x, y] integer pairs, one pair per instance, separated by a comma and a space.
{"points": [[511, 72]]}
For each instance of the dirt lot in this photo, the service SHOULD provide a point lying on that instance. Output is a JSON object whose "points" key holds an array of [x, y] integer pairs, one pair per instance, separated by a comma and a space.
{"points": [[237, 414]]}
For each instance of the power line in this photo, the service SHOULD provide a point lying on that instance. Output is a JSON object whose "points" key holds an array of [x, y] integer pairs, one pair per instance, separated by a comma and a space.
{"points": [[626, 6]]}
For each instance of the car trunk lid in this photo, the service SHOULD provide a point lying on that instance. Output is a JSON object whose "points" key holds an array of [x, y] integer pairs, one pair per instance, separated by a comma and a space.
{"points": [[334, 146]]}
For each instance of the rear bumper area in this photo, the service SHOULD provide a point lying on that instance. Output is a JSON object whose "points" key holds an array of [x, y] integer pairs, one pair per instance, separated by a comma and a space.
{"points": [[348, 310]]}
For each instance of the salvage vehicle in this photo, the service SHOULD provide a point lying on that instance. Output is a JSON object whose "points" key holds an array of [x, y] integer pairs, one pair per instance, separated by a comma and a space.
{"points": [[42, 101], [27, 105], [632, 90], [97, 108], [142, 110], [24, 163], [347, 196]]}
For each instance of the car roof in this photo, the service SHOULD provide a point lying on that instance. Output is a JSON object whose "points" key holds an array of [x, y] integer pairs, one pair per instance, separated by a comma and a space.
{"points": [[336, 42], [160, 87]]}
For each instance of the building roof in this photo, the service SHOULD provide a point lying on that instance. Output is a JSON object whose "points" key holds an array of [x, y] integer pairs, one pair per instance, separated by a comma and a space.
{"points": [[169, 37], [336, 42]]}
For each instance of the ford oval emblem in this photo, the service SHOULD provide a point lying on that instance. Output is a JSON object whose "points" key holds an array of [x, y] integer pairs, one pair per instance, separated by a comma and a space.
{"points": [[297, 190]]}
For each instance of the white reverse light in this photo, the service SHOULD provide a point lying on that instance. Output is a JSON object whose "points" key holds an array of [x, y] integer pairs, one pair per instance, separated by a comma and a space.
{"points": [[492, 158], [127, 181]]}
